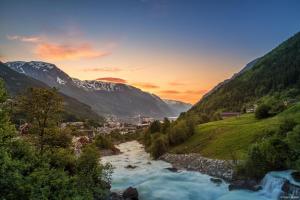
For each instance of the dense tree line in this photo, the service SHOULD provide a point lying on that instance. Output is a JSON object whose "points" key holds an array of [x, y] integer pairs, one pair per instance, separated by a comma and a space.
{"points": [[42, 164], [159, 137]]}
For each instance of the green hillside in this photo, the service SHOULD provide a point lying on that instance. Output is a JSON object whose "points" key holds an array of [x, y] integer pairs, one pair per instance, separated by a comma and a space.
{"points": [[276, 74], [232, 137]]}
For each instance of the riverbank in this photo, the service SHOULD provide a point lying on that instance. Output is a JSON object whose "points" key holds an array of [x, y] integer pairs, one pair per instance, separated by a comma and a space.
{"points": [[195, 162], [156, 179]]}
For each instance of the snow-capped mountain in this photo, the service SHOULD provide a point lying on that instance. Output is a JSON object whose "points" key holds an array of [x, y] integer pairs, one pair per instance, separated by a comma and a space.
{"points": [[17, 83], [178, 106], [105, 98]]}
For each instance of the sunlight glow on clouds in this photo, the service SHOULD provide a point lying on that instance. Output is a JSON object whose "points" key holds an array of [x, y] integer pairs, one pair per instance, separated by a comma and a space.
{"points": [[53, 51], [112, 79], [145, 85], [102, 69], [32, 39], [45, 49]]}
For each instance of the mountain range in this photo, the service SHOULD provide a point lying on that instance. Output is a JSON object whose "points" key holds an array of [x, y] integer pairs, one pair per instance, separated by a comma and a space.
{"points": [[17, 84], [105, 98], [178, 106]]}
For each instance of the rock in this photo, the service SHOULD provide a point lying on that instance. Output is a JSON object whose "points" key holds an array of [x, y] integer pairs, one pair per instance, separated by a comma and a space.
{"points": [[296, 176], [149, 163], [217, 181], [286, 186], [131, 167], [172, 169], [131, 194], [290, 191], [115, 196], [251, 185]]}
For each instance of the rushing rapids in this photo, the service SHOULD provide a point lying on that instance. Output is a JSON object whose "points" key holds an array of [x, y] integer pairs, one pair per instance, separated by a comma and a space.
{"points": [[153, 180]]}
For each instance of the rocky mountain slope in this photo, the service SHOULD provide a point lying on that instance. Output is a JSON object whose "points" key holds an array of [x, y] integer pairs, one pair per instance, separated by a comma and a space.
{"points": [[17, 83], [105, 98]]}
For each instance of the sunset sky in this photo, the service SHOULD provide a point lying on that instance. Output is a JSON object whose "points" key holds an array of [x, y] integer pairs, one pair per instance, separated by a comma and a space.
{"points": [[177, 49]]}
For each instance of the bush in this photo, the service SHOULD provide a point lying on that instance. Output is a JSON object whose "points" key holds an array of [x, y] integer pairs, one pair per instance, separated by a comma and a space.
{"points": [[269, 155], [179, 133], [155, 127], [103, 143], [93, 179], [263, 111], [293, 139], [159, 147], [287, 125]]}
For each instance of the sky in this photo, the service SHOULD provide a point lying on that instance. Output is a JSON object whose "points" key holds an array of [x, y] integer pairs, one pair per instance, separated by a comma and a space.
{"points": [[177, 49]]}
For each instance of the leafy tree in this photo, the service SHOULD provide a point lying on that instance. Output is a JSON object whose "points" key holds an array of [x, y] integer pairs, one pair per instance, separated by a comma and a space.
{"points": [[165, 126], [159, 147], [155, 127], [93, 179], [42, 108], [103, 142], [269, 155], [55, 174], [178, 133]]}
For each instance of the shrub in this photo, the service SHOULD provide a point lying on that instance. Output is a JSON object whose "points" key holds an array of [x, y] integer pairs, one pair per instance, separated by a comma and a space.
{"points": [[103, 143], [263, 111], [158, 147], [178, 133], [155, 127], [287, 125], [269, 155]]}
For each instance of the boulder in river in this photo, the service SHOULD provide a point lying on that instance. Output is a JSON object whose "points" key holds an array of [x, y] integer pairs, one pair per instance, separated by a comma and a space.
{"points": [[296, 176], [131, 167], [172, 169], [115, 196], [244, 185], [217, 181], [131, 194], [290, 191]]}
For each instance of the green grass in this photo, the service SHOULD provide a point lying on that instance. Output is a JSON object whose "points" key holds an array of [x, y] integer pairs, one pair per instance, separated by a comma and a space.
{"points": [[232, 137]]}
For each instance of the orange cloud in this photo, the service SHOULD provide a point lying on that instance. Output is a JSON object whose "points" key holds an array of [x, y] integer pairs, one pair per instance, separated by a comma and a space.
{"points": [[52, 51], [175, 83], [145, 85], [112, 79], [190, 96], [195, 92], [31, 39], [169, 92], [102, 69]]}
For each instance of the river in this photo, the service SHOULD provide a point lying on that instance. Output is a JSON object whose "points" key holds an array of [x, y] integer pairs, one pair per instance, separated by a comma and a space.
{"points": [[154, 182]]}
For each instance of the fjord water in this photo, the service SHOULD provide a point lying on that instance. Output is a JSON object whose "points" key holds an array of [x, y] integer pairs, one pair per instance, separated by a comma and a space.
{"points": [[153, 181]]}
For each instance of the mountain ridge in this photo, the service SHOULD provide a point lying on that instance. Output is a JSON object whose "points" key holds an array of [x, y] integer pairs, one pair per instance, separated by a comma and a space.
{"points": [[275, 73], [178, 106], [104, 97], [17, 83]]}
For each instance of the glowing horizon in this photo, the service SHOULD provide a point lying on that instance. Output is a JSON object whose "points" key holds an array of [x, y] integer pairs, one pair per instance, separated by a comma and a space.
{"points": [[169, 48]]}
